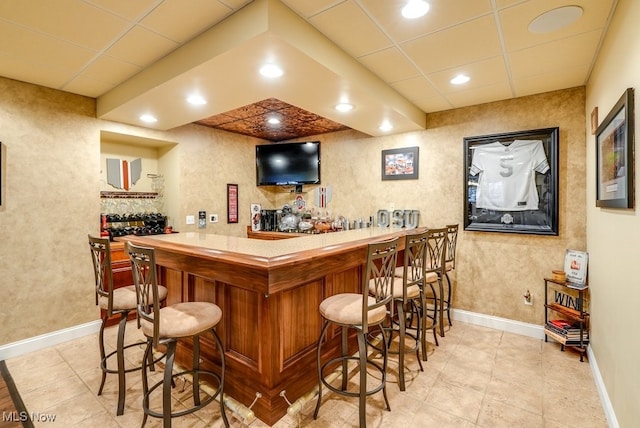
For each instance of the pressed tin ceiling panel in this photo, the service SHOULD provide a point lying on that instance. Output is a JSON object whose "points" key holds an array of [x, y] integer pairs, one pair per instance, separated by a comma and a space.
{"points": [[252, 120]]}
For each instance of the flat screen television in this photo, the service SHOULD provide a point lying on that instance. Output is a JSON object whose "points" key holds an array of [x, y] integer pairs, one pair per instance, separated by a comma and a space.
{"points": [[282, 164]]}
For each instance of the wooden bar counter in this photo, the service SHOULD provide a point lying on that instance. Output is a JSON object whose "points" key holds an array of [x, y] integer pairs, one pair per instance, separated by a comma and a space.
{"points": [[269, 292]]}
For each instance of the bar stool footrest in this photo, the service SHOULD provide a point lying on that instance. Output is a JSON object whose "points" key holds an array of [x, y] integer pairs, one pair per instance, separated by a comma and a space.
{"points": [[370, 363], [192, 409]]}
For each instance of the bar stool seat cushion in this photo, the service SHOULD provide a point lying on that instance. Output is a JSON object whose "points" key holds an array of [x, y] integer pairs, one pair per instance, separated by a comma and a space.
{"points": [[431, 277], [346, 309], [124, 298], [413, 291], [184, 320]]}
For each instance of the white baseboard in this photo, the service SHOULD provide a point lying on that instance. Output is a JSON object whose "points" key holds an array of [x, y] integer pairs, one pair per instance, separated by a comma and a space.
{"points": [[36, 343], [504, 324], [537, 331], [609, 413]]}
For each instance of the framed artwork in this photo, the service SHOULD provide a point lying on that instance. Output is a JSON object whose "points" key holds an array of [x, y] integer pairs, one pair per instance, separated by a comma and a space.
{"points": [[614, 156], [232, 203], [400, 164], [511, 182]]}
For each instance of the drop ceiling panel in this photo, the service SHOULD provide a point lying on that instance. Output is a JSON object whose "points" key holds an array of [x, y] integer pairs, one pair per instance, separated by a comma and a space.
{"points": [[442, 14], [530, 85], [110, 70], [338, 24], [308, 8], [32, 72], [42, 50], [416, 88], [87, 26], [476, 40], [127, 9], [435, 104], [485, 73], [515, 22], [465, 98], [390, 65], [199, 14], [141, 46], [559, 55]]}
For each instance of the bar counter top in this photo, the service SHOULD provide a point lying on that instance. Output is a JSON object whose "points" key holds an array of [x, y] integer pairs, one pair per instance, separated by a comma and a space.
{"points": [[256, 252]]}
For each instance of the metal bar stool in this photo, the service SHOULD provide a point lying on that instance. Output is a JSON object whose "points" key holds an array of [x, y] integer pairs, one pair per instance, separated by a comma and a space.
{"points": [[408, 301], [362, 312], [434, 271], [164, 326], [115, 302], [449, 265]]}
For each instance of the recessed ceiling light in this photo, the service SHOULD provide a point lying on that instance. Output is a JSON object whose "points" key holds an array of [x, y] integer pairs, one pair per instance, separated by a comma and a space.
{"points": [[460, 79], [271, 70], [196, 100], [344, 107], [147, 118], [386, 126], [273, 121], [415, 9], [555, 19]]}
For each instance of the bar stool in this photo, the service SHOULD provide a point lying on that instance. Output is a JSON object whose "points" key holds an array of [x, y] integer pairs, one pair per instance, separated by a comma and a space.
{"points": [[120, 301], [164, 326], [361, 312], [409, 302], [434, 271], [450, 264]]}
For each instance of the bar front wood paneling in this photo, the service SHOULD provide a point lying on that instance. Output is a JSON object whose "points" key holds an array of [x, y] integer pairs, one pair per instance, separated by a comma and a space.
{"points": [[269, 292]]}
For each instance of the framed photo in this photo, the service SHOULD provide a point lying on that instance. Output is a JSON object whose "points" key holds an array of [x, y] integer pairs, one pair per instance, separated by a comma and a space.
{"points": [[400, 164], [614, 156], [232, 203], [511, 182], [575, 267]]}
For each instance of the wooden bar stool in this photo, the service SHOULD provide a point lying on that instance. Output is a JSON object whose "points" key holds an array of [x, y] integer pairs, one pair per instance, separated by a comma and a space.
{"points": [[115, 302], [164, 326], [361, 312]]}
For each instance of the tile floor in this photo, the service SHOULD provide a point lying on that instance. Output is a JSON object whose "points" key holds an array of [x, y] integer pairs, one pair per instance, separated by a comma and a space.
{"points": [[477, 377]]}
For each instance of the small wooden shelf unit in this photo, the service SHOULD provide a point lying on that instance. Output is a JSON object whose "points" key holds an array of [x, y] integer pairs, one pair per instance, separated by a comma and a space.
{"points": [[578, 314]]}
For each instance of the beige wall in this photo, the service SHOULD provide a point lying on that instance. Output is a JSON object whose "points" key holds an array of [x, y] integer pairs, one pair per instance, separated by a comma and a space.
{"points": [[53, 182], [614, 234]]}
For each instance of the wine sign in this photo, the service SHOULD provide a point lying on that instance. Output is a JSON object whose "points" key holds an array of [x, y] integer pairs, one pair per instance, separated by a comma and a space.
{"points": [[398, 218]]}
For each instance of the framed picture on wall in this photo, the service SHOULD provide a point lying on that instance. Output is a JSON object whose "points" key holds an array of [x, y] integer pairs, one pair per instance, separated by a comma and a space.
{"points": [[511, 182], [232, 203], [400, 164], [614, 155]]}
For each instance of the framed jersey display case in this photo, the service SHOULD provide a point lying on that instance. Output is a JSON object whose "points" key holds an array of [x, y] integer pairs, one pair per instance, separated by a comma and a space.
{"points": [[511, 182]]}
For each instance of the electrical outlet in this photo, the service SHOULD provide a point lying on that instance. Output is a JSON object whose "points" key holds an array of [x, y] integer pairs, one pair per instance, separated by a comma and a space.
{"points": [[190, 219], [213, 218], [528, 298]]}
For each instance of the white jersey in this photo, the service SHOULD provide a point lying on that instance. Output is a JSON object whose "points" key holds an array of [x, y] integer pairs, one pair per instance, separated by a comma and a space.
{"points": [[507, 174]]}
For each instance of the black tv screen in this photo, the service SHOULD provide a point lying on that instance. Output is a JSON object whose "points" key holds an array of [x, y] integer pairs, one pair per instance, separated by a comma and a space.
{"points": [[281, 164]]}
